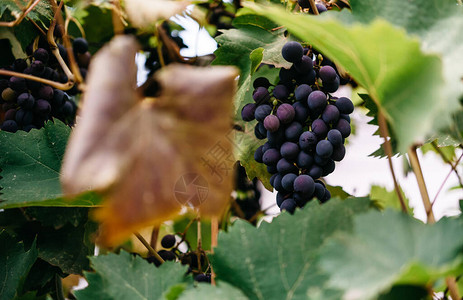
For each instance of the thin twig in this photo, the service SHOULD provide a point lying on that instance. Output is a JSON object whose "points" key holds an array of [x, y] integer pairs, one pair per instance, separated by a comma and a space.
{"points": [[23, 14], [445, 180], [57, 85], [151, 251], [415, 163], [384, 132], [214, 243], [454, 166], [154, 237], [313, 7]]}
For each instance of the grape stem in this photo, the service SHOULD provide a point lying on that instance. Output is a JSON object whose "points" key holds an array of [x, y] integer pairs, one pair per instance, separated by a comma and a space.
{"points": [[151, 251], [117, 18], [454, 166], [159, 47], [57, 85], [214, 243], [29, 7], [154, 237], [453, 288], [313, 7], [384, 132], [415, 163]]}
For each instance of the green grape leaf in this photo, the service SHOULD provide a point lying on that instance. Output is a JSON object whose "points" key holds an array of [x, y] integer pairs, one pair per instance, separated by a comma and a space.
{"points": [[57, 217], [391, 247], [256, 57], [278, 260], [192, 233], [125, 276], [406, 84], [30, 164], [383, 199], [15, 264], [222, 291], [405, 292], [41, 12]]}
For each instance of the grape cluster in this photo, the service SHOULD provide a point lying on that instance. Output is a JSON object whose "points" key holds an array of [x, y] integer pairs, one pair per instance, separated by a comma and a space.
{"points": [[28, 104], [304, 125]]}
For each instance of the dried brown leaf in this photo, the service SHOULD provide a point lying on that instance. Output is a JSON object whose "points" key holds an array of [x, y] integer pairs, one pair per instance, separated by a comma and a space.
{"points": [[151, 158], [144, 13]]}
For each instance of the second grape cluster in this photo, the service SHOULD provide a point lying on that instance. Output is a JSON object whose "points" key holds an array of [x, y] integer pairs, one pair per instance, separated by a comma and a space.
{"points": [[305, 127]]}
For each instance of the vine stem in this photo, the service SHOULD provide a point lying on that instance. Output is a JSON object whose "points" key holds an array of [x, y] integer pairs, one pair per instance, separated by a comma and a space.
{"points": [[412, 155], [313, 7], [159, 47], [384, 132], [453, 288], [23, 14], [154, 237], [446, 178], [57, 85], [214, 242], [151, 251], [454, 166]]}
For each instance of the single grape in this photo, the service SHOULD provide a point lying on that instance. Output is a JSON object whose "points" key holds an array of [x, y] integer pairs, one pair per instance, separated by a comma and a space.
{"points": [[19, 65], [10, 114], [266, 146], [316, 172], [285, 113], [324, 148], [281, 197], [287, 75], [321, 8], [304, 184], [326, 197], [288, 181], [306, 78], [285, 167], [247, 112], [302, 92], [307, 141], [10, 126], [328, 168], [293, 131], [289, 151], [281, 92], [320, 128], [301, 112], [304, 160], [272, 179], [331, 114], [260, 131], [276, 138], [80, 45], [262, 111], [45, 92], [168, 241], [331, 87], [305, 65], [37, 67], [292, 51], [68, 109], [344, 127], [335, 137], [26, 101], [271, 123], [317, 101], [319, 191], [345, 117], [42, 108], [17, 84], [344, 105], [338, 153], [42, 55], [261, 95], [289, 205], [271, 157], [277, 183], [327, 74], [258, 154], [320, 161], [203, 278], [59, 98], [272, 169], [301, 199], [261, 81]]}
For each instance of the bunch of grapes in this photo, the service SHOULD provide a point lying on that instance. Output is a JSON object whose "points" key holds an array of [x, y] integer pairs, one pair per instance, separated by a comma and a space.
{"points": [[305, 127], [28, 104]]}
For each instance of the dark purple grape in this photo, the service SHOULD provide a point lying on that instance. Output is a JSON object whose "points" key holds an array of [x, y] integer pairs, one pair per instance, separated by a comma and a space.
{"points": [[262, 111], [265, 147], [260, 131], [281, 92], [304, 184], [335, 137], [327, 74], [26, 101], [10, 114], [289, 205], [42, 108], [317, 101], [276, 138], [292, 51], [271, 157], [319, 191], [45, 92], [320, 161], [301, 112], [258, 154], [344, 105], [271, 123], [24, 117], [17, 84], [281, 197], [306, 78], [316, 172], [272, 179], [307, 141], [168, 241], [289, 151], [37, 67], [287, 75], [272, 169], [328, 168], [10, 126], [344, 127], [331, 87], [301, 199], [84, 60], [58, 98], [41, 54], [338, 153], [324, 148], [286, 113], [203, 278], [326, 196], [80, 45], [330, 114], [304, 66], [261, 95], [261, 81], [247, 113], [167, 255], [285, 167], [345, 117], [320, 128], [304, 160], [277, 183], [68, 108], [302, 92], [293, 131], [19, 65], [288, 181], [321, 8]]}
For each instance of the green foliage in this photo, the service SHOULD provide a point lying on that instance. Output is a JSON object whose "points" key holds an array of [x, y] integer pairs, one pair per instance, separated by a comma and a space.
{"points": [[125, 276], [222, 291], [31, 164], [383, 199], [391, 247], [192, 233], [15, 263], [286, 248]]}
